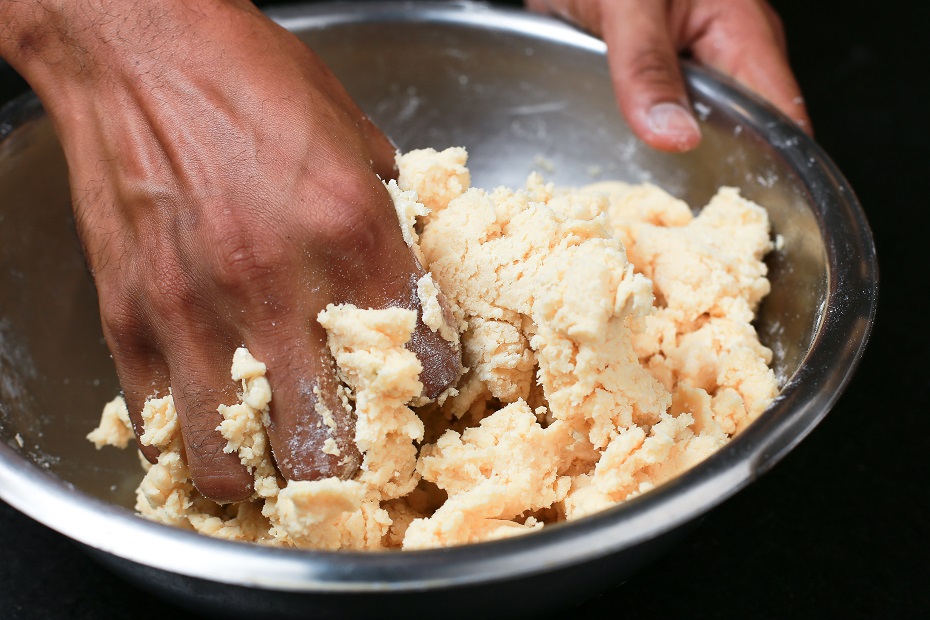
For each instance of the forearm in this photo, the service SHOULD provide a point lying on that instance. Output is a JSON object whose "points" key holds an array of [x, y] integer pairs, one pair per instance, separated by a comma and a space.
{"points": [[122, 81], [61, 46]]}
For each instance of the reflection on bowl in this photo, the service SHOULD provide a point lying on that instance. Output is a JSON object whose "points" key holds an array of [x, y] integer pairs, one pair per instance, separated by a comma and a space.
{"points": [[514, 89]]}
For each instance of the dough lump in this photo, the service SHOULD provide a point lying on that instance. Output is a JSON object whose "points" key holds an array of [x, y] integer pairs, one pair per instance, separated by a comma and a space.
{"points": [[607, 338]]}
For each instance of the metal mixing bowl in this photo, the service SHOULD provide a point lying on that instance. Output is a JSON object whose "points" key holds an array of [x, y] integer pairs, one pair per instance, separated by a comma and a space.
{"points": [[518, 91]]}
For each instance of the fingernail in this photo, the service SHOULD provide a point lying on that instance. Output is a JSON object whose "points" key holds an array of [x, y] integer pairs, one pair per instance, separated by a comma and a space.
{"points": [[673, 121]]}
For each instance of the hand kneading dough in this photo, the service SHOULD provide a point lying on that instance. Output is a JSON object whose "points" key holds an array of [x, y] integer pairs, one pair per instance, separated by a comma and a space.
{"points": [[607, 338]]}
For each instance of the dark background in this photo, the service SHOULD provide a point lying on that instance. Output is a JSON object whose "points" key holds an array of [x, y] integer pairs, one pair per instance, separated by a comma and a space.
{"points": [[839, 529]]}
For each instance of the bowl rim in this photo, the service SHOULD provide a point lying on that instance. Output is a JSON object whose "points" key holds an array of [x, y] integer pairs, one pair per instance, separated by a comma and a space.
{"points": [[839, 339]]}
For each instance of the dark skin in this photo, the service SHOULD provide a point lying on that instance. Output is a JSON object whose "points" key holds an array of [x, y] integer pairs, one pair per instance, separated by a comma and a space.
{"points": [[220, 209], [226, 189]]}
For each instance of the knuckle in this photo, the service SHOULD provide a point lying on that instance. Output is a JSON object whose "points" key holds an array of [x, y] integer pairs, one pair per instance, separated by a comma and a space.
{"points": [[123, 323], [199, 419], [347, 234], [242, 260], [216, 474], [655, 69], [349, 223], [168, 291]]}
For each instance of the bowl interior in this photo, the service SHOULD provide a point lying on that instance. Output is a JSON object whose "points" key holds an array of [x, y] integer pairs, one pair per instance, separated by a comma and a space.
{"points": [[518, 98]]}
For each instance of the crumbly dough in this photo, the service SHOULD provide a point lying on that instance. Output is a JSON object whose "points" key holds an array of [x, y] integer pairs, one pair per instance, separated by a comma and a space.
{"points": [[607, 338]]}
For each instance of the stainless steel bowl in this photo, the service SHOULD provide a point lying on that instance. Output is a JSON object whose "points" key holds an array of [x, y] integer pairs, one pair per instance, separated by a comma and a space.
{"points": [[519, 91]]}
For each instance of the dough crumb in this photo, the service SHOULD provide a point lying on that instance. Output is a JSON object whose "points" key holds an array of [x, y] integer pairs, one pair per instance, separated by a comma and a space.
{"points": [[433, 315], [114, 429], [437, 177]]}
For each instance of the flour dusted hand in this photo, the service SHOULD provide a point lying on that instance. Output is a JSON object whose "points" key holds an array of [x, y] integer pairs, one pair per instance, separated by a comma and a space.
{"points": [[226, 190]]}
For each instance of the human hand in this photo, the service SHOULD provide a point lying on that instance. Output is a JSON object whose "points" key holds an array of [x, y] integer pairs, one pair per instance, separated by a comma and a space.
{"points": [[225, 191], [740, 38]]}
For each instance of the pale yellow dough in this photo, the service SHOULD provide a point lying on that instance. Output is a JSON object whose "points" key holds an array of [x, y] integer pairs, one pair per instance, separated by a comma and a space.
{"points": [[607, 338]]}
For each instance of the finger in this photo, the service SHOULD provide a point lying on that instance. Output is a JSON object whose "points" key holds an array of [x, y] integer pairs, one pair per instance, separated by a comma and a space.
{"points": [[201, 382], [745, 42], [646, 74], [141, 377], [382, 149], [778, 28], [141, 370], [441, 358], [393, 273], [312, 430], [583, 13]]}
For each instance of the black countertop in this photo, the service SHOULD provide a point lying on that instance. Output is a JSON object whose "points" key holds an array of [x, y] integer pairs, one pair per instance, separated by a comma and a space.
{"points": [[839, 529]]}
